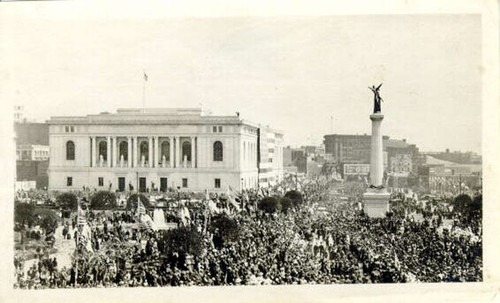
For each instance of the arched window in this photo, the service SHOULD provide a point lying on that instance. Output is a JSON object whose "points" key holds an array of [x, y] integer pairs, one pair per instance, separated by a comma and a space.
{"points": [[186, 150], [165, 150], [103, 150], [144, 150], [123, 150], [70, 150], [218, 151]]}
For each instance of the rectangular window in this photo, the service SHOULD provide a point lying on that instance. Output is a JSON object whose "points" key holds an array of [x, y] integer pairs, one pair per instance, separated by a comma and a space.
{"points": [[69, 181], [101, 181], [72, 129], [66, 129], [220, 129], [214, 129], [217, 183], [184, 182]]}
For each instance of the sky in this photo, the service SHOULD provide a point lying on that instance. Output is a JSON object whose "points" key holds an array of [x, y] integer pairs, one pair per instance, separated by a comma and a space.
{"points": [[305, 75]]}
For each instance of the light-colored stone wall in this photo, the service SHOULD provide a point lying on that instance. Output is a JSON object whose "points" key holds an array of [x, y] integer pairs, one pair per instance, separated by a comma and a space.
{"points": [[238, 169]]}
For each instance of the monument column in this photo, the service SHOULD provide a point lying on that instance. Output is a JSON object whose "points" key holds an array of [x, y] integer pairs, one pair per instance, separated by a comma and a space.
{"points": [[376, 198], [171, 151], [129, 151], [376, 153]]}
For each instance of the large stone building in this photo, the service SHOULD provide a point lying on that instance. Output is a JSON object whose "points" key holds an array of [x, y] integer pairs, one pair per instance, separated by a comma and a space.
{"points": [[158, 149]]}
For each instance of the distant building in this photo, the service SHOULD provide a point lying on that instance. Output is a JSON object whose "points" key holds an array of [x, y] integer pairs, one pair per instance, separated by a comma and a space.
{"points": [[299, 158], [18, 113], [32, 133], [271, 156], [32, 152], [351, 148], [29, 170], [403, 157], [400, 165], [457, 157], [287, 157]]}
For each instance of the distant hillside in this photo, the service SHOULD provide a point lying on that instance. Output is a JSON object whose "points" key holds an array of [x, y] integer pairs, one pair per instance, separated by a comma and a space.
{"points": [[431, 160]]}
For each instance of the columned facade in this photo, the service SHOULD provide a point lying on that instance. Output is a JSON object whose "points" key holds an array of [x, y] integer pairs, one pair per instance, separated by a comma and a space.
{"points": [[158, 149]]}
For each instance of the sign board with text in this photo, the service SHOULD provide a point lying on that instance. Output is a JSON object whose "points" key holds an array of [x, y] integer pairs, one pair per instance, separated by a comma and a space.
{"points": [[356, 169]]}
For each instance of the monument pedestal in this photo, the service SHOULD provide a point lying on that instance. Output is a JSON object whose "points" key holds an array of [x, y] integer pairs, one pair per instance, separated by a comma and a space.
{"points": [[376, 202]]}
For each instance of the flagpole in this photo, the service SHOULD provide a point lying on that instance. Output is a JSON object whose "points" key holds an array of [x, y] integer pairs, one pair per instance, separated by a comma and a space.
{"points": [[144, 93], [76, 241]]}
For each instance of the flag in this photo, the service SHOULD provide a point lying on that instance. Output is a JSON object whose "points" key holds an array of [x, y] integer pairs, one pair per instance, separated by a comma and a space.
{"points": [[146, 219], [84, 234], [397, 264], [212, 207], [232, 199], [141, 210], [81, 216], [145, 77]]}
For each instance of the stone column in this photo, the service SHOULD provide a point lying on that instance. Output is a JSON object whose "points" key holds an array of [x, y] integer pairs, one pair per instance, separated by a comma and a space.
{"points": [[150, 152], [115, 160], [177, 151], [93, 150], [171, 151], [376, 153], [193, 155], [156, 160], [376, 198], [129, 151], [108, 151], [134, 143]]}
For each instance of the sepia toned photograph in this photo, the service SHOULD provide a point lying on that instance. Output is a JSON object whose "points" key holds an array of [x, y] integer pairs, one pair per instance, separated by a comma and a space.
{"points": [[237, 151]]}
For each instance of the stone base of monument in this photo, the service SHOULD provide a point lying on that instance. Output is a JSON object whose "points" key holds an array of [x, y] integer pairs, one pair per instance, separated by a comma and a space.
{"points": [[376, 202]]}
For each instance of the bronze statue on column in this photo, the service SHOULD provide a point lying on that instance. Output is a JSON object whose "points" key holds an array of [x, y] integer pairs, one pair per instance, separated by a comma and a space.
{"points": [[376, 98]]}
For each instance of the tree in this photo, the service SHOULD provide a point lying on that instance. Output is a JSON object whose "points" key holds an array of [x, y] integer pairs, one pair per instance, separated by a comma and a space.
{"points": [[47, 219], [296, 197], [24, 213], [182, 241], [269, 205], [225, 230], [67, 201], [286, 204], [461, 203], [103, 200], [132, 201], [476, 207]]}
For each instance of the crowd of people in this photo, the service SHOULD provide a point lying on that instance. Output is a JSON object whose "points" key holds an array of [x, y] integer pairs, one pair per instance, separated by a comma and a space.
{"points": [[321, 241]]}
